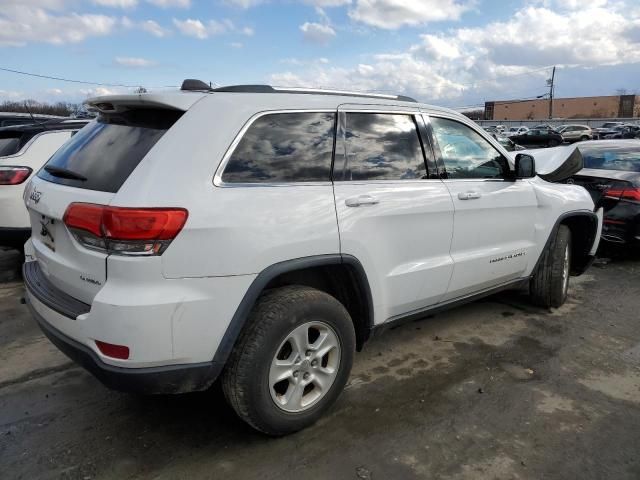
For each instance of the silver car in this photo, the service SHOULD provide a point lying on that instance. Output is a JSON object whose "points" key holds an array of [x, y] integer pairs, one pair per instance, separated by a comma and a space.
{"points": [[576, 133]]}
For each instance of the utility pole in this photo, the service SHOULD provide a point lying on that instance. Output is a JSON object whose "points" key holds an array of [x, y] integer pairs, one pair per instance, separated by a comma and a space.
{"points": [[551, 85]]}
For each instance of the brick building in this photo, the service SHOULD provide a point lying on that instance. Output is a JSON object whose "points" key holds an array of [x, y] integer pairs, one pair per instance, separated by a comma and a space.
{"points": [[617, 106]]}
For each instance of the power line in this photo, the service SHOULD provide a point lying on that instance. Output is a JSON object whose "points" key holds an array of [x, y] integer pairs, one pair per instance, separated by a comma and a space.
{"points": [[83, 82]]}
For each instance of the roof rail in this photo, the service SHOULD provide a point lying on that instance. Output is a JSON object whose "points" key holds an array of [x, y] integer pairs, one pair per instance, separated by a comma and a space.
{"points": [[198, 85]]}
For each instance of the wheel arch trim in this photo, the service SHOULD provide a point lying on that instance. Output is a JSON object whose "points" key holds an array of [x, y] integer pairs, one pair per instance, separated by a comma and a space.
{"points": [[258, 285]]}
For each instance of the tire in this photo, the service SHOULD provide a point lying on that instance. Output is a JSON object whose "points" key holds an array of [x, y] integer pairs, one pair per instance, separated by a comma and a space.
{"points": [[550, 283], [281, 319], [584, 138], [554, 143]]}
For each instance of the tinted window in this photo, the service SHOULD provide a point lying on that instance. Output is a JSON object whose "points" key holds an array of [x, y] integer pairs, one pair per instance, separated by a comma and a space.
{"points": [[284, 147], [380, 146], [12, 142], [9, 146], [108, 150], [465, 153], [612, 158]]}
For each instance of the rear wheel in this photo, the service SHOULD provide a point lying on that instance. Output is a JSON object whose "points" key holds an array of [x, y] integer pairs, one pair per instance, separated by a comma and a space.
{"points": [[584, 138], [292, 360], [550, 283], [554, 143]]}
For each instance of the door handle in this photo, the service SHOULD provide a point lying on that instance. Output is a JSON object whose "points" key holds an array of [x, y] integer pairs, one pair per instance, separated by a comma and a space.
{"points": [[361, 200], [469, 195]]}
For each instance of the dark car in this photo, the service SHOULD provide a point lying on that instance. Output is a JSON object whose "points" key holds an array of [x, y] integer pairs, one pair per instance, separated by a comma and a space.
{"points": [[540, 137], [612, 177], [621, 132], [9, 119]]}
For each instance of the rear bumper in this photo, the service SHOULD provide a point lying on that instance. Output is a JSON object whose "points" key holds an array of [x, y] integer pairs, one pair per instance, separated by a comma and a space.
{"points": [[153, 368], [14, 237], [152, 380]]}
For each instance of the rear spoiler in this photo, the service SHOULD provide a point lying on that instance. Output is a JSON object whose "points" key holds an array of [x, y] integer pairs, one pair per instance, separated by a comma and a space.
{"points": [[557, 163], [120, 103]]}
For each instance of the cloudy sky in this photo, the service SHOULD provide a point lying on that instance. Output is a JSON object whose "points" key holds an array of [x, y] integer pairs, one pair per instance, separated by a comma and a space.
{"points": [[455, 53]]}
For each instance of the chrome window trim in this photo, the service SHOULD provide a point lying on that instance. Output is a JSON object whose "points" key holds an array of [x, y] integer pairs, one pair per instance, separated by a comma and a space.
{"points": [[217, 178]]}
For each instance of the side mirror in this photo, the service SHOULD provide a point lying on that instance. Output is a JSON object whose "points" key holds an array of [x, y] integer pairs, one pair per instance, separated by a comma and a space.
{"points": [[525, 166]]}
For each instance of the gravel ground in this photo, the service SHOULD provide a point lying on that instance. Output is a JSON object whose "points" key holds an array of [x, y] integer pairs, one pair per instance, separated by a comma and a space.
{"points": [[494, 389]]}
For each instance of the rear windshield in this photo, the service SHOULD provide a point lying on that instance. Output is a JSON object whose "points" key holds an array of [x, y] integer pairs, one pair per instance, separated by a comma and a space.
{"points": [[106, 151], [626, 158]]}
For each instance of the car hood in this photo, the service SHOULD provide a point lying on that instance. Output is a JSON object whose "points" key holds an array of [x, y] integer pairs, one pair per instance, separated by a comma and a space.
{"points": [[557, 163]]}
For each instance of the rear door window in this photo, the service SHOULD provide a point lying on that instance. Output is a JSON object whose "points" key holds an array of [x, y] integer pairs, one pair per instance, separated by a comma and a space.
{"points": [[283, 148], [380, 146], [103, 154]]}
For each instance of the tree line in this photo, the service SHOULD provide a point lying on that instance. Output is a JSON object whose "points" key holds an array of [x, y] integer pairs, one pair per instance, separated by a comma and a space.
{"points": [[64, 109]]}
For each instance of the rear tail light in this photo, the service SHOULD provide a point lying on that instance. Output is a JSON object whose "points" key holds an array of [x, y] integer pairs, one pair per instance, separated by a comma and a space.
{"points": [[14, 175], [124, 231], [631, 194]]}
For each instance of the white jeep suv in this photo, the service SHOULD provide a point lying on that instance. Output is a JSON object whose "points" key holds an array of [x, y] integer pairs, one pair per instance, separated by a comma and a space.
{"points": [[263, 235]]}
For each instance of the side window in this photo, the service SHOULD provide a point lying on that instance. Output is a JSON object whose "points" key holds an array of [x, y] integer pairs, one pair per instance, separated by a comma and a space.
{"points": [[284, 147], [465, 153], [380, 146]]}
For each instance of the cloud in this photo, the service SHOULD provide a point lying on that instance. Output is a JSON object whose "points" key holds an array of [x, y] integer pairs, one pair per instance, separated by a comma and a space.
{"points": [[317, 32], [152, 27], [244, 4], [236, 45], [99, 91], [171, 3], [54, 91], [117, 3], [392, 14], [502, 59], [134, 62], [201, 30], [23, 24], [191, 28]]}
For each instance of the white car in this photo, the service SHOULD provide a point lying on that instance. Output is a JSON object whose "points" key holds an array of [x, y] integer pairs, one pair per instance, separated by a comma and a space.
{"points": [[516, 131], [262, 235], [23, 151]]}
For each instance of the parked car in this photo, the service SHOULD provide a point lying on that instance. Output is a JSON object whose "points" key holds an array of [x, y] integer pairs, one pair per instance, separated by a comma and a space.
{"points": [[606, 128], [516, 131], [23, 150], [270, 257], [491, 129], [621, 132], [575, 133], [538, 138], [612, 177], [507, 143], [544, 126], [501, 128], [9, 119]]}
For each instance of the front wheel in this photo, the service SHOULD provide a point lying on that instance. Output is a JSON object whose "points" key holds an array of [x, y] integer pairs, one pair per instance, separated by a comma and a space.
{"points": [[292, 360], [553, 143], [550, 283]]}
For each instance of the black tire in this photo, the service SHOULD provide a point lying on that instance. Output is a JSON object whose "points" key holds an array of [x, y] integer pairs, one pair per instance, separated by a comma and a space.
{"points": [[245, 380], [584, 138], [550, 283], [554, 143]]}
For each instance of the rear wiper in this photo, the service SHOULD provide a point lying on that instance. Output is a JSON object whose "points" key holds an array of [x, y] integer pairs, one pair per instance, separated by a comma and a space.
{"points": [[64, 173]]}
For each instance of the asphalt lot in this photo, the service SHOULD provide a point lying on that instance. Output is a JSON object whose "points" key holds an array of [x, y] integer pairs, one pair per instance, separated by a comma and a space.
{"points": [[495, 389]]}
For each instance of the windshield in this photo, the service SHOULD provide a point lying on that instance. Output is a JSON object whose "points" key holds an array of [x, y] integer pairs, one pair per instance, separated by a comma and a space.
{"points": [[625, 158]]}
